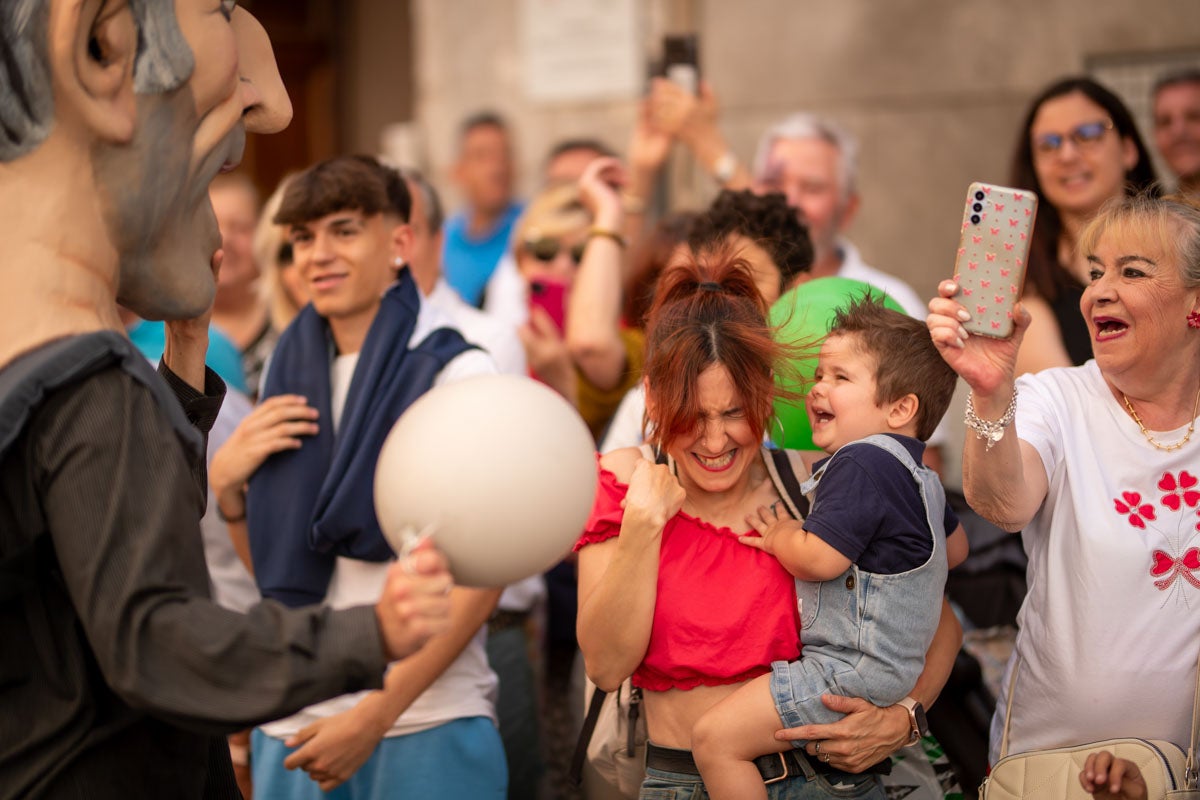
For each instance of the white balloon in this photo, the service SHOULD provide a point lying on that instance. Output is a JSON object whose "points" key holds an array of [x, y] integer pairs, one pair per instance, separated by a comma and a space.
{"points": [[500, 468]]}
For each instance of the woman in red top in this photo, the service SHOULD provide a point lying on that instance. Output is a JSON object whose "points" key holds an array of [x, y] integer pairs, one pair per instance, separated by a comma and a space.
{"points": [[666, 592]]}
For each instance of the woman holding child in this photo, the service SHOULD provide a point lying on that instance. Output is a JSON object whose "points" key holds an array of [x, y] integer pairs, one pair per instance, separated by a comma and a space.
{"points": [[1098, 466], [672, 593]]}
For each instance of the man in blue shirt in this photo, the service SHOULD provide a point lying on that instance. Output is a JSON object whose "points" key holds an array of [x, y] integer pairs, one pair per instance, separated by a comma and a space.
{"points": [[478, 234]]}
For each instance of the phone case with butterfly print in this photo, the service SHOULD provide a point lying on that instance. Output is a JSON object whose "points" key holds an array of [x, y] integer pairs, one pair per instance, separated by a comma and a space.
{"points": [[990, 268]]}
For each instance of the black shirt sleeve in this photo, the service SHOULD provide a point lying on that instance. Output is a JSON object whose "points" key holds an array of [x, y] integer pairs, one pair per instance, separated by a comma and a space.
{"points": [[112, 475]]}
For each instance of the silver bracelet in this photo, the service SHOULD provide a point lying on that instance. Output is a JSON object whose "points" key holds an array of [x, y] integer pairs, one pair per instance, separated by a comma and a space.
{"points": [[991, 431]]}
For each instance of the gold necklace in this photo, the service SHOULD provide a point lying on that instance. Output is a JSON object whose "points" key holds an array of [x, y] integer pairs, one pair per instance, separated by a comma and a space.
{"points": [[1159, 445]]}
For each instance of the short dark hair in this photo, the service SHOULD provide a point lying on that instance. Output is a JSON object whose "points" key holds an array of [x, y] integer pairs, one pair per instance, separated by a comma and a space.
{"points": [[1176, 77], [480, 119], [344, 183], [907, 360], [766, 219], [579, 143], [435, 216]]}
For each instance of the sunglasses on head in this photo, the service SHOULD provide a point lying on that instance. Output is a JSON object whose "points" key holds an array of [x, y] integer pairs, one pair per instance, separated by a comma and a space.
{"points": [[547, 249], [1082, 136]]}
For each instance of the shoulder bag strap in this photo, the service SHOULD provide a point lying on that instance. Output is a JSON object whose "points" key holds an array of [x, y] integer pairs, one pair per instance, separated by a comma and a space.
{"points": [[1189, 772], [1012, 683], [575, 774], [782, 467]]}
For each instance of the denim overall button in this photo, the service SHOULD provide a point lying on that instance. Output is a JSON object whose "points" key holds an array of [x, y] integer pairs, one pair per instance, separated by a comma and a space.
{"points": [[850, 582]]}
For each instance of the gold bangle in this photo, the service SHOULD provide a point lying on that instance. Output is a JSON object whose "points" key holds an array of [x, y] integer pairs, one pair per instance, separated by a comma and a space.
{"points": [[605, 233]]}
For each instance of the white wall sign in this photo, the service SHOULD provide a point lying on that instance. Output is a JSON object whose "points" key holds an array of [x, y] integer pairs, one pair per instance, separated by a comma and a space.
{"points": [[580, 50]]}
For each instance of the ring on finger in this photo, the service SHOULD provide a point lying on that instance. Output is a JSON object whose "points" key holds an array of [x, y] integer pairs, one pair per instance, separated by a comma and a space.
{"points": [[817, 748], [825, 758]]}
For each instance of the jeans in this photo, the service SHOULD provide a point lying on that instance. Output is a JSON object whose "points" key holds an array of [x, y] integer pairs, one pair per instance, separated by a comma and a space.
{"points": [[660, 785]]}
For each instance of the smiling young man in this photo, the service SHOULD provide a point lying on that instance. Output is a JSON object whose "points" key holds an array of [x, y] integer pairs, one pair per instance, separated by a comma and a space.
{"points": [[366, 347], [117, 669]]}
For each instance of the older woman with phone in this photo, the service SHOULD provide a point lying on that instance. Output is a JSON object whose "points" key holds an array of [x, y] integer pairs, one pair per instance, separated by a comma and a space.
{"points": [[1078, 148], [667, 592], [1097, 465]]}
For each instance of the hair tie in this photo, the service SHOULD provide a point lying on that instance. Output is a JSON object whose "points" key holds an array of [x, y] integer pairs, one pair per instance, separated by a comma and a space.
{"points": [[710, 286]]}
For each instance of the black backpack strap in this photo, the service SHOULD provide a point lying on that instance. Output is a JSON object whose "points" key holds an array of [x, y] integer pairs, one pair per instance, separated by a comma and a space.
{"points": [[783, 465], [585, 736]]}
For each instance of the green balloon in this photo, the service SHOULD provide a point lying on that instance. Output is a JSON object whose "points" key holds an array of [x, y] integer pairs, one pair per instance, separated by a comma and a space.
{"points": [[802, 317]]}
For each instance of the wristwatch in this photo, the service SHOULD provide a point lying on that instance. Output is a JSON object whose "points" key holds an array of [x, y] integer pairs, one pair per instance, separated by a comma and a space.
{"points": [[916, 718]]}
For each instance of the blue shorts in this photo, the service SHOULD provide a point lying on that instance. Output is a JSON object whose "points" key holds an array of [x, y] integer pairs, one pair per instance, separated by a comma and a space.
{"points": [[797, 686], [463, 758]]}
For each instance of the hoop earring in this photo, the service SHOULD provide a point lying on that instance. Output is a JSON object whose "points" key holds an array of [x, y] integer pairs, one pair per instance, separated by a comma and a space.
{"points": [[1193, 319]]}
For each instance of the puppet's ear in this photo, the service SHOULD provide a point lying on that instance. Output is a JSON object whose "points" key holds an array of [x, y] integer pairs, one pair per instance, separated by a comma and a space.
{"points": [[93, 45]]}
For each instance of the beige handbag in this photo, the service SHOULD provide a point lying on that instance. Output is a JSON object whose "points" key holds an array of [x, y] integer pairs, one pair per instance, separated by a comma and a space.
{"points": [[1170, 774]]}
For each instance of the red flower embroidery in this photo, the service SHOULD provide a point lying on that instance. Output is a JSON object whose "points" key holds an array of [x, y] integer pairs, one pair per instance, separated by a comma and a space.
{"points": [[1181, 491], [1135, 508]]}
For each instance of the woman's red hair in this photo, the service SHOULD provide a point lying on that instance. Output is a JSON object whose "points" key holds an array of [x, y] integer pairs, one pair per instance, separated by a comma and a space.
{"points": [[707, 313]]}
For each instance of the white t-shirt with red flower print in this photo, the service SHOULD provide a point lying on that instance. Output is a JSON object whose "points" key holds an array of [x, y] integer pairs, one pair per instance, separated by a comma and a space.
{"points": [[1110, 630]]}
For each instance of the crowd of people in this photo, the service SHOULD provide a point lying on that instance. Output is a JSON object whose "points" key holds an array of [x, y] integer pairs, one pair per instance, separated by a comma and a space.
{"points": [[786, 633]]}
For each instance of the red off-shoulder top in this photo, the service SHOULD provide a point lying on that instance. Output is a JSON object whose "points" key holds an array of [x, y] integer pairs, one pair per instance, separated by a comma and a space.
{"points": [[723, 612]]}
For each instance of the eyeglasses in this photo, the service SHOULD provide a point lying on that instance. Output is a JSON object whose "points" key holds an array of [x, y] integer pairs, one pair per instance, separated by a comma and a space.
{"points": [[1084, 137], [547, 249]]}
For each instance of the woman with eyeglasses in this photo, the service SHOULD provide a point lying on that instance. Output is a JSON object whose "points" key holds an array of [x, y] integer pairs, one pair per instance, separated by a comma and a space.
{"points": [[565, 245], [1077, 149]]}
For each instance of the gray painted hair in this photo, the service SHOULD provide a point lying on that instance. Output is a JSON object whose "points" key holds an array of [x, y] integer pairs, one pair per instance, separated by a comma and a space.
{"points": [[803, 125], [164, 62]]}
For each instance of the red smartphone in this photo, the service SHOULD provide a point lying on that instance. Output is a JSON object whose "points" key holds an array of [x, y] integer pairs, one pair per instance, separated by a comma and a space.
{"points": [[551, 297], [992, 254]]}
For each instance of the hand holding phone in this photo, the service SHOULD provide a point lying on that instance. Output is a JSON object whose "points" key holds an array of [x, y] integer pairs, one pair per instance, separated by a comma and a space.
{"points": [[551, 297], [992, 255]]}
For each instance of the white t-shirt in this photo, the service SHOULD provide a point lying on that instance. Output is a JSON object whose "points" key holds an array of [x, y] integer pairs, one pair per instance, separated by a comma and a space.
{"points": [[467, 688], [505, 295], [232, 584], [500, 339], [1109, 632], [497, 337]]}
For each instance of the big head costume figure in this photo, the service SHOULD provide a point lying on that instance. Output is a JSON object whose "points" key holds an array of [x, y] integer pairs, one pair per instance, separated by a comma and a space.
{"points": [[114, 117], [117, 669]]}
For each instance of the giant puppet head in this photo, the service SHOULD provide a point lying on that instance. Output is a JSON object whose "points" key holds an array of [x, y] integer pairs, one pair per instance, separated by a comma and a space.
{"points": [[155, 97]]}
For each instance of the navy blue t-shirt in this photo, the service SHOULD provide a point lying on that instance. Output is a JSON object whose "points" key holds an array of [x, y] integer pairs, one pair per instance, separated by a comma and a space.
{"points": [[869, 509]]}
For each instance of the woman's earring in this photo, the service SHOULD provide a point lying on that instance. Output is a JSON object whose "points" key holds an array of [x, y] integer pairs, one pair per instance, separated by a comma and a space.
{"points": [[1194, 319]]}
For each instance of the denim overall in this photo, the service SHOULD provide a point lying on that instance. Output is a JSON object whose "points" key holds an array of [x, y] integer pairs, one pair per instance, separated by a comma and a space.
{"points": [[865, 634], [847, 642]]}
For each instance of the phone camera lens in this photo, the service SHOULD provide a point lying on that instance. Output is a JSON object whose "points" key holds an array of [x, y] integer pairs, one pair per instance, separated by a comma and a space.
{"points": [[977, 207], [979, 195], [975, 219]]}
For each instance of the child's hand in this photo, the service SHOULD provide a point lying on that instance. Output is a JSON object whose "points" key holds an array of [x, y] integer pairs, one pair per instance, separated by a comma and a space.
{"points": [[770, 522], [1105, 776]]}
